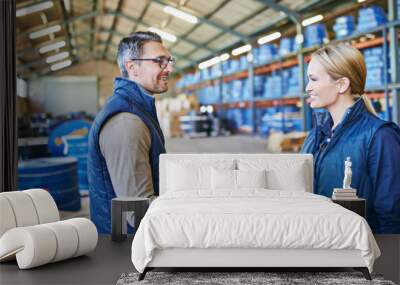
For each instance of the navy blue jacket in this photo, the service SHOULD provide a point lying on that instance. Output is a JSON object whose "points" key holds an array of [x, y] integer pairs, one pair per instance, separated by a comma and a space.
{"points": [[374, 148], [127, 97]]}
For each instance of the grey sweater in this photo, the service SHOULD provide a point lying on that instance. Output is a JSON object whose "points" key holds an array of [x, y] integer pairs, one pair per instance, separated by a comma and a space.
{"points": [[125, 144]]}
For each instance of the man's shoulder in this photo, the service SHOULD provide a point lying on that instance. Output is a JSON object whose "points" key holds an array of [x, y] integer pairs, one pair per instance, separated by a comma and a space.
{"points": [[124, 123], [126, 119]]}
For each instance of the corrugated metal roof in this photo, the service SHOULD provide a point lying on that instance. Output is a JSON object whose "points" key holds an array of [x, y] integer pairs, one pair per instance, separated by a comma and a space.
{"points": [[96, 27]]}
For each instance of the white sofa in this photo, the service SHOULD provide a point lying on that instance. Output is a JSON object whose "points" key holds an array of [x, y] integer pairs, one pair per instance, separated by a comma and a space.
{"points": [[186, 179], [31, 231]]}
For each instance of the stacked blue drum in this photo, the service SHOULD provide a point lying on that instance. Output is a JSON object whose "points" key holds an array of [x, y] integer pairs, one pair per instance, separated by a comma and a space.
{"points": [[292, 81], [398, 9], [281, 119], [236, 91], [266, 53], [374, 62], [286, 46], [273, 86], [315, 35], [344, 26], [243, 62], [258, 85], [370, 17], [58, 175], [77, 146]]}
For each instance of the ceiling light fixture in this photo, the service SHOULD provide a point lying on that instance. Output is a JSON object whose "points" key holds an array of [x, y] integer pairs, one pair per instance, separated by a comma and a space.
{"points": [[312, 20], [45, 32], [241, 49], [164, 35], [209, 62], [61, 65], [214, 60], [269, 38], [52, 46], [224, 56], [180, 14], [57, 57], [34, 8]]}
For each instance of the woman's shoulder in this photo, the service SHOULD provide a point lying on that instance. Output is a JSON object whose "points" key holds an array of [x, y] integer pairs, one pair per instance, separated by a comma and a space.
{"points": [[388, 130], [374, 121]]}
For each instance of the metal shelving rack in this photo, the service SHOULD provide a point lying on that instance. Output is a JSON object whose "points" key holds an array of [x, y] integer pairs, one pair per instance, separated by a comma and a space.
{"points": [[389, 39]]}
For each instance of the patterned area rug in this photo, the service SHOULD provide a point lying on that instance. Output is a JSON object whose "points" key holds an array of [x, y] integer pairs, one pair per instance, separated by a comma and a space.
{"points": [[242, 278]]}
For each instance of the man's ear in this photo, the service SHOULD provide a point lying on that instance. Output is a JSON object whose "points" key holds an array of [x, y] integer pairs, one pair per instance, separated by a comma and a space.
{"points": [[132, 67]]}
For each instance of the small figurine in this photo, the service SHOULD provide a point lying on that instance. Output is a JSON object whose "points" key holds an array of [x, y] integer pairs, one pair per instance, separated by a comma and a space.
{"points": [[347, 174]]}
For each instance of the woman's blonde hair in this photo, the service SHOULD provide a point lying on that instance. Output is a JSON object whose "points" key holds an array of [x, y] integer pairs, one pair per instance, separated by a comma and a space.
{"points": [[343, 60]]}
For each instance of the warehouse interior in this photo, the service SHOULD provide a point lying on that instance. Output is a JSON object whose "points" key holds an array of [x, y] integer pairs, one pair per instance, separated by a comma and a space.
{"points": [[238, 84]]}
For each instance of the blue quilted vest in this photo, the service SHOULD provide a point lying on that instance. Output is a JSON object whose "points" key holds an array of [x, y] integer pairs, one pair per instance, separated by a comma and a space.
{"points": [[352, 137], [127, 97]]}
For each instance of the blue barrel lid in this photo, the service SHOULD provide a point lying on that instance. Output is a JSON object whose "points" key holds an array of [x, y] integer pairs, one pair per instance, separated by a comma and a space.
{"points": [[46, 165], [67, 128]]}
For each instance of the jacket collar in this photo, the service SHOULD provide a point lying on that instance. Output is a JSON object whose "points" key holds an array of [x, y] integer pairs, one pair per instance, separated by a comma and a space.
{"points": [[134, 93], [324, 119]]}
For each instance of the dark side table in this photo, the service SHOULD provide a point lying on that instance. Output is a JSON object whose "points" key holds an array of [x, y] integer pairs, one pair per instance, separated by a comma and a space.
{"points": [[357, 205], [119, 207]]}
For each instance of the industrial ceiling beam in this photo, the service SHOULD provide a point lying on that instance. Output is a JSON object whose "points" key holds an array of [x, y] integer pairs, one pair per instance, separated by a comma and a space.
{"points": [[93, 25], [269, 25], [220, 6], [90, 32], [271, 4], [176, 55], [36, 48], [112, 28], [266, 27], [293, 15], [204, 20], [88, 45], [70, 20], [66, 26], [142, 14], [133, 19]]}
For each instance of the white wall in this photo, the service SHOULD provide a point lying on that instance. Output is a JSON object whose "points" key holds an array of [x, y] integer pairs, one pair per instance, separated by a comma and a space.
{"points": [[60, 95]]}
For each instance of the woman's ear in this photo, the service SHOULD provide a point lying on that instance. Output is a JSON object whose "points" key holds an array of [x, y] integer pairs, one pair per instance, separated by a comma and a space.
{"points": [[343, 84]]}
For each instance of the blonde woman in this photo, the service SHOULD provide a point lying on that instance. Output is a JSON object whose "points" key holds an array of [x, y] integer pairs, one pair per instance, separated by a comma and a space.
{"points": [[349, 127]]}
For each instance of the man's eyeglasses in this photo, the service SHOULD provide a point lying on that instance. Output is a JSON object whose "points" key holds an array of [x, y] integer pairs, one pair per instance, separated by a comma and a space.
{"points": [[162, 61]]}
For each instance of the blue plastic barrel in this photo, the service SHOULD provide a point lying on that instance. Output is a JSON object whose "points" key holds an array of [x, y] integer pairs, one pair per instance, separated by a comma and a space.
{"points": [[58, 175], [77, 146]]}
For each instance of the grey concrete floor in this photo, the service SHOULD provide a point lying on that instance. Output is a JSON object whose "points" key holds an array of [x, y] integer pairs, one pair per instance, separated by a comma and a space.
{"points": [[228, 144]]}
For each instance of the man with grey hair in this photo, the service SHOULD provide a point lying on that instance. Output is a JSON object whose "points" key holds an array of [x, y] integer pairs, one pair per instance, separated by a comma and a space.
{"points": [[125, 140]]}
